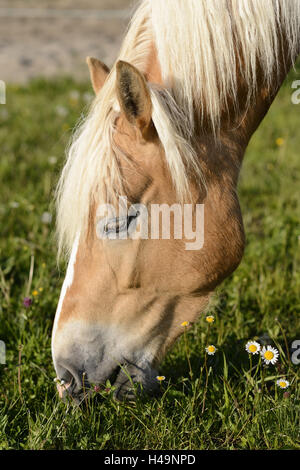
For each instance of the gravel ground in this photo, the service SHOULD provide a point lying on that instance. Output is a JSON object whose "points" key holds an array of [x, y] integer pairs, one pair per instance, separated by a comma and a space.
{"points": [[51, 40]]}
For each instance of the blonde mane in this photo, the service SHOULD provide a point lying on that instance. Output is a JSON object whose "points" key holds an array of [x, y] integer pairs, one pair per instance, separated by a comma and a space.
{"points": [[200, 43]]}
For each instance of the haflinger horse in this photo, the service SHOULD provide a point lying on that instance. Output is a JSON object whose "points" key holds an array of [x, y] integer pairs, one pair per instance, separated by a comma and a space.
{"points": [[170, 124]]}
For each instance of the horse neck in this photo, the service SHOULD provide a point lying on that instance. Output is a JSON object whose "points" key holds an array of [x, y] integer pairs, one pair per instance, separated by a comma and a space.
{"points": [[241, 121], [263, 98]]}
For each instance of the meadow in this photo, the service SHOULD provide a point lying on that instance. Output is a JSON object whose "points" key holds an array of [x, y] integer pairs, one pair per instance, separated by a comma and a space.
{"points": [[223, 401]]}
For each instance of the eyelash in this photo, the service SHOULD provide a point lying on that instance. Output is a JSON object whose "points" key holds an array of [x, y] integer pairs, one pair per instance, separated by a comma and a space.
{"points": [[118, 225]]}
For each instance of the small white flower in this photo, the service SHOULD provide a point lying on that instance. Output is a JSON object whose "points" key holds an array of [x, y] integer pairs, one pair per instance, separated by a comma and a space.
{"points": [[269, 355], [160, 378], [282, 383], [210, 319], [74, 95], [14, 204], [46, 218], [52, 160], [252, 347], [87, 97], [211, 350], [61, 111]]}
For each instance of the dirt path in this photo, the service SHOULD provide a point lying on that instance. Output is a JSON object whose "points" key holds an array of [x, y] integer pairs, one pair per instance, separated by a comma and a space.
{"points": [[48, 38]]}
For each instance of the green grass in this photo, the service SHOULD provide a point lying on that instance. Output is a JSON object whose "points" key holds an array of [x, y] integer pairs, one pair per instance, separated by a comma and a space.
{"points": [[222, 406]]}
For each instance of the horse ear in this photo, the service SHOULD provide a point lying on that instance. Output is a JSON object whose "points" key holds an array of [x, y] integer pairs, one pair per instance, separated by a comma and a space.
{"points": [[98, 73], [134, 96]]}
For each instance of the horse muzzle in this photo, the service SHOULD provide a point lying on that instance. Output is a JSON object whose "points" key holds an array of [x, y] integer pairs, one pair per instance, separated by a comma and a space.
{"points": [[85, 358]]}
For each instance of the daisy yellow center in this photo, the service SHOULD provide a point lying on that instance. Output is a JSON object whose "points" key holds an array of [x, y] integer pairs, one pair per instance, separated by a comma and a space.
{"points": [[282, 384], [252, 348], [269, 355], [209, 319], [211, 348]]}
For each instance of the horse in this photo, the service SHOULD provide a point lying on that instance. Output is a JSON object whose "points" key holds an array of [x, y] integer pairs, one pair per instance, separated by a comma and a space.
{"points": [[169, 126]]}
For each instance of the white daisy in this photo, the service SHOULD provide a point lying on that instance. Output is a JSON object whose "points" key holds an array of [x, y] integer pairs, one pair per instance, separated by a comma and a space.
{"points": [[269, 355], [210, 319], [211, 349], [252, 347], [160, 378], [282, 383]]}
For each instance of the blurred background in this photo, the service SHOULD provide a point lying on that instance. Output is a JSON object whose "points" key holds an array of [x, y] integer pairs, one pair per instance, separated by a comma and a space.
{"points": [[46, 38]]}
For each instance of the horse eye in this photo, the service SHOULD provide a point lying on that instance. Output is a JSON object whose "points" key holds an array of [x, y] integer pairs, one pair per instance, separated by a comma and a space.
{"points": [[131, 218], [117, 225]]}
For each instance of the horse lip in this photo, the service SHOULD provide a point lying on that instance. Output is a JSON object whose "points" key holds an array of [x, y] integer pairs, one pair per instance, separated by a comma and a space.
{"points": [[63, 387]]}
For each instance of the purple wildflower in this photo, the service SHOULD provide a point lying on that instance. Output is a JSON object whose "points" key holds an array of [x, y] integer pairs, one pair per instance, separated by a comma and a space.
{"points": [[27, 302]]}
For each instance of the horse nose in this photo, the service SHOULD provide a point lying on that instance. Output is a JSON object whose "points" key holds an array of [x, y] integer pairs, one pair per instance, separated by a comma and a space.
{"points": [[75, 377], [63, 388]]}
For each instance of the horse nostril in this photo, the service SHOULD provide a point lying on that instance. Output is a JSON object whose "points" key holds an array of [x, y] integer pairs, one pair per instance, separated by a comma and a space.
{"points": [[63, 388], [68, 381], [65, 377], [113, 376]]}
